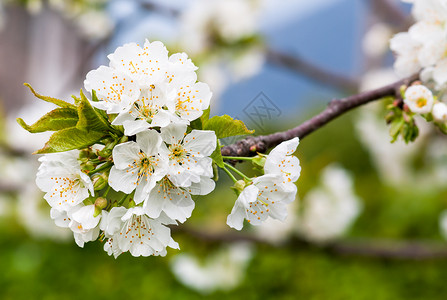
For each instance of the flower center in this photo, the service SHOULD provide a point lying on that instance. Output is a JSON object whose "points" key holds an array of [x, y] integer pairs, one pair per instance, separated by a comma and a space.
{"points": [[146, 166], [421, 102], [177, 152]]}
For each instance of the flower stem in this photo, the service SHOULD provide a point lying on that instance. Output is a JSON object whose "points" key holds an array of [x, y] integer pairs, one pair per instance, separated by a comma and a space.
{"points": [[237, 158], [103, 167], [106, 192], [236, 171], [229, 174], [126, 196]]}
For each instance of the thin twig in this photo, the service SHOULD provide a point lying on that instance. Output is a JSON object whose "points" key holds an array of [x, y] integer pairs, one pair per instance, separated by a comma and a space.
{"points": [[337, 107]]}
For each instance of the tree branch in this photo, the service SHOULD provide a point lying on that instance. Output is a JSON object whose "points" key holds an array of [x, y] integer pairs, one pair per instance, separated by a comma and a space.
{"points": [[381, 249], [299, 65], [250, 145]]}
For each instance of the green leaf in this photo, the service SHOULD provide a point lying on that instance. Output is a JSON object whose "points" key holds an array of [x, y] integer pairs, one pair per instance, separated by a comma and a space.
{"points": [[206, 115], [196, 124], [226, 126], [217, 156], [57, 119], [94, 97], [89, 118], [70, 139], [58, 102], [395, 128]]}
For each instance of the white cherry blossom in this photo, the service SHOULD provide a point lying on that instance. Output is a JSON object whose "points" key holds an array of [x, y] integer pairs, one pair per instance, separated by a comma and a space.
{"points": [[138, 165], [439, 112], [115, 90], [132, 230], [407, 51], [188, 153], [175, 202], [419, 99], [61, 178], [148, 65], [190, 101], [267, 196], [146, 112], [281, 161]]}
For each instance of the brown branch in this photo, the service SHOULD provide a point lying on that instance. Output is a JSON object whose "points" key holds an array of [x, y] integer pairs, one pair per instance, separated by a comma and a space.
{"points": [[299, 65], [382, 249], [390, 12], [250, 145]]}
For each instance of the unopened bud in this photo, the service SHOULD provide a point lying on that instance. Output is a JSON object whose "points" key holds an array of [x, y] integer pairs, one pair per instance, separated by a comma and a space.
{"points": [[100, 204], [239, 185], [88, 166], [99, 181], [259, 160]]}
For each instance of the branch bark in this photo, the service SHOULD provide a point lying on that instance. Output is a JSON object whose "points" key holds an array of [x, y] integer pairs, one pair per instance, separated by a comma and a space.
{"points": [[380, 249], [337, 107]]}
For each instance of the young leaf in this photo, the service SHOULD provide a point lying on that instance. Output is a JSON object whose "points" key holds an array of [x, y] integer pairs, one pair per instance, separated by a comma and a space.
{"points": [[196, 124], [58, 102], [206, 115], [226, 126], [89, 118], [57, 119], [69, 139], [217, 156]]}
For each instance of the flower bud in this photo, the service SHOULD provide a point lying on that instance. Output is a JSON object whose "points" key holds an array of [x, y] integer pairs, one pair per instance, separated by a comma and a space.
{"points": [[99, 181], [439, 112], [259, 160], [88, 166], [239, 185], [100, 204]]}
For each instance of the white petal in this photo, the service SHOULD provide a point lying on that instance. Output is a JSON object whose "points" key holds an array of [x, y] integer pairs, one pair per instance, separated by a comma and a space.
{"points": [[123, 180], [149, 141]]}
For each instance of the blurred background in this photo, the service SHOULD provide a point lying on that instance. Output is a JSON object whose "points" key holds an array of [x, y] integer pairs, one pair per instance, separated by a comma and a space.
{"points": [[369, 222]]}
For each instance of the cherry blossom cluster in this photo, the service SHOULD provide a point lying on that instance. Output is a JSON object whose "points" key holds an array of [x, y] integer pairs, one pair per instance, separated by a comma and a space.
{"points": [[153, 173], [122, 167], [420, 100], [424, 46], [422, 49]]}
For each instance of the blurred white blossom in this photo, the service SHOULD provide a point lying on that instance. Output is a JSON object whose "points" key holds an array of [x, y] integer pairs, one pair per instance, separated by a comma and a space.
{"points": [[275, 231], [95, 24], [392, 161], [376, 40], [330, 209], [231, 20], [223, 270]]}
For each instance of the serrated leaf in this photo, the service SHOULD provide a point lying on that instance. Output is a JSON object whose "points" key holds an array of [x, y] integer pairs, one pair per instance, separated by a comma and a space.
{"points": [[217, 156], [70, 139], [225, 126], [89, 118], [57, 119], [58, 102]]}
